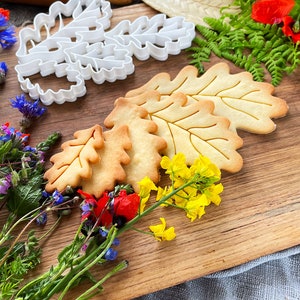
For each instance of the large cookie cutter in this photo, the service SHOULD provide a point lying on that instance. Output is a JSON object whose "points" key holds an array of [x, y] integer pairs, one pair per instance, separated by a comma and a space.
{"points": [[86, 49]]}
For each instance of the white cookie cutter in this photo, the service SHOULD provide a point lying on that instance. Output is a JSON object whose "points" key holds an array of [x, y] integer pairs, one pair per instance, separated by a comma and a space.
{"points": [[82, 49]]}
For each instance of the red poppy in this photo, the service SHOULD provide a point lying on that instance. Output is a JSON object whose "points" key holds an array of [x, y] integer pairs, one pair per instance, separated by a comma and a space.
{"points": [[287, 29], [101, 211], [270, 11], [4, 13], [105, 209], [96, 209], [126, 205]]}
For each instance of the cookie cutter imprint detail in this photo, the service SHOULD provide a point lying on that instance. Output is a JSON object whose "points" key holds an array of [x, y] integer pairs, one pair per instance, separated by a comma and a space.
{"points": [[83, 49]]}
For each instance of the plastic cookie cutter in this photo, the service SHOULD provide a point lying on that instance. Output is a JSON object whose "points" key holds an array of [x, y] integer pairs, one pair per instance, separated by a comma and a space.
{"points": [[85, 47]]}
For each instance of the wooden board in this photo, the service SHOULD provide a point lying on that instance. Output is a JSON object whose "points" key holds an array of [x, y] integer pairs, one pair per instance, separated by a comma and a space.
{"points": [[259, 213]]}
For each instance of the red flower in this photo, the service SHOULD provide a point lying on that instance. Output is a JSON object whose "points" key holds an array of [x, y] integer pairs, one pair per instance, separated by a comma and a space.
{"points": [[287, 29], [102, 211], [4, 13], [126, 205], [270, 11], [105, 209]]}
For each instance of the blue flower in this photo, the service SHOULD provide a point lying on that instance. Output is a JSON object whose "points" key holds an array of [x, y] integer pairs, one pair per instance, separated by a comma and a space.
{"points": [[3, 67], [30, 110], [57, 198], [3, 71], [42, 218], [111, 254], [7, 33]]}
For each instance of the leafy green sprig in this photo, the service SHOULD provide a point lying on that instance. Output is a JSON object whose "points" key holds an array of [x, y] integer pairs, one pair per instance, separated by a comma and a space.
{"points": [[250, 45]]}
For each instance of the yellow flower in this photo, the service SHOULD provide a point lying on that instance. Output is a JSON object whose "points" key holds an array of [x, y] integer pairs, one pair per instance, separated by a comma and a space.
{"points": [[203, 166], [195, 207], [146, 186], [161, 233], [212, 193], [162, 192], [176, 167]]}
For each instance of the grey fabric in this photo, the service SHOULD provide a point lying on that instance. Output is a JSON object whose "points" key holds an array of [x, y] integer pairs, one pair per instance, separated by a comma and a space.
{"points": [[272, 277]]}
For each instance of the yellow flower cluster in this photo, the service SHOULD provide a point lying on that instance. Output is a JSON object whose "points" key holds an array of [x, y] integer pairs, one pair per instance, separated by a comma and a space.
{"points": [[202, 190], [193, 188]]}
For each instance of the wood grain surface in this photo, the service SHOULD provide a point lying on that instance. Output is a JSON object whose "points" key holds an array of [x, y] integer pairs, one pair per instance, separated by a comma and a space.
{"points": [[260, 208]]}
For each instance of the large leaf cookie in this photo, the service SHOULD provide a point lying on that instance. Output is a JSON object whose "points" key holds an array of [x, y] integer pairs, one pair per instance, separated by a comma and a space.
{"points": [[74, 162], [192, 129], [146, 146], [249, 105]]}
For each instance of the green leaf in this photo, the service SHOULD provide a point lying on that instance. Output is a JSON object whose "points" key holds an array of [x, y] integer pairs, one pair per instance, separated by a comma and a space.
{"points": [[24, 198]]}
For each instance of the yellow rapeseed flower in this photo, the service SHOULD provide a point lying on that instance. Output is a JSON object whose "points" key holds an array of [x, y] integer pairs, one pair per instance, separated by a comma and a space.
{"points": [[161, 233], [146, 186], [176, 167]]}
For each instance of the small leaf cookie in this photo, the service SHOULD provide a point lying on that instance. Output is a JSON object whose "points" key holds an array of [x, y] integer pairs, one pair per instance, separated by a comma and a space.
{"points": [[146, 146], [109, 169], [192, 129], [73, 163], [249, 105]]}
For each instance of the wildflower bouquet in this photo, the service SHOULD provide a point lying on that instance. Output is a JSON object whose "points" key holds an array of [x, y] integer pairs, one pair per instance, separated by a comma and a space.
{"points": [[262, 35], [103, 220]]}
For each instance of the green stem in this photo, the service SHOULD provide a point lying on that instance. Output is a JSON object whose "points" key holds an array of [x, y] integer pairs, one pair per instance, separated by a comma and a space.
{"points": [[82, 269], [50, 229], [3, 260], [121, 266], [84, 266], [52, 275]]}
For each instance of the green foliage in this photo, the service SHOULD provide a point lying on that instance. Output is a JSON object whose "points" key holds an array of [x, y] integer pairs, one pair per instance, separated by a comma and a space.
{"points": [[258, 48], [25, 196], [23, 258]]}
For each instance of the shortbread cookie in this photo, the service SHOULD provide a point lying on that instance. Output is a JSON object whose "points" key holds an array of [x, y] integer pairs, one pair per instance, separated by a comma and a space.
{"points": [[109, 170], [192, 129], [74, 162], [146, 146], [249, 105]]}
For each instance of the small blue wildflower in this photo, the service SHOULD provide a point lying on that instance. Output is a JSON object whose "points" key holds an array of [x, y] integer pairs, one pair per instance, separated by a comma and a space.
{"points": [[5, 184], [102, 232], [111, 254], [42, 219], [30, 110], [3, 67], [57, 198], [7, 33], [3, 72], [45, 194], [28, 148], [116, 242]]}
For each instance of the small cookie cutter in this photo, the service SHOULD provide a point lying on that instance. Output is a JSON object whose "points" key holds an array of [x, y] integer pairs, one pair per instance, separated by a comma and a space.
{"points": [[85, 49]]}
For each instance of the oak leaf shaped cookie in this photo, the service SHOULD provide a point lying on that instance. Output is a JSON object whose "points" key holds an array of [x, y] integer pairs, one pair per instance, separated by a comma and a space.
{"points": [[192, 129], [146, 146], [74, 162], [249, 105], [109, 169]]}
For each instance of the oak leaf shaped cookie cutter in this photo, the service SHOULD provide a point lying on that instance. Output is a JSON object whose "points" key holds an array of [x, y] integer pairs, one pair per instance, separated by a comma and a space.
{"points": [[86, 49]]}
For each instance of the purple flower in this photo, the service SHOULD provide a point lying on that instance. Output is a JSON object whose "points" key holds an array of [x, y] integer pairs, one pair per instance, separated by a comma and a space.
{"points": [[5, 184], [111, 254], [30, 110]]}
